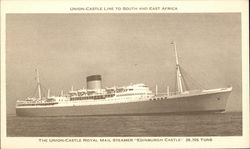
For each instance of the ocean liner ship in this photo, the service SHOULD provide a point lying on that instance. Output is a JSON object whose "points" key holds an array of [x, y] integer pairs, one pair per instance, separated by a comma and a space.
{"points": [[135, 99]]}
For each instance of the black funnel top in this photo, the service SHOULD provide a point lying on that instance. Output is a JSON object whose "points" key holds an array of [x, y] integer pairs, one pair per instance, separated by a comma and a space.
{"points": [[94, 77]]}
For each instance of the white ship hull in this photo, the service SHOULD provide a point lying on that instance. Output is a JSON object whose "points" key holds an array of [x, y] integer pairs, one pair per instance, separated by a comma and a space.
{"points": [[211, 101], [130, 100]]}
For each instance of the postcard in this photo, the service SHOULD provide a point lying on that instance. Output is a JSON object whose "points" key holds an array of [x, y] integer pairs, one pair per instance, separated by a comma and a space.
{"points": [[125, 74]]}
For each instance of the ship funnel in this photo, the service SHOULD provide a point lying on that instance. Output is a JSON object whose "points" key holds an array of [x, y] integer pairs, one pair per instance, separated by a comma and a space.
{"points": [[94, 82]]}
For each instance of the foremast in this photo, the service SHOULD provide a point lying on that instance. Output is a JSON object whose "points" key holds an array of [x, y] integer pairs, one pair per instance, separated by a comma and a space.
{"points": [[178, 72], [38, 85]]}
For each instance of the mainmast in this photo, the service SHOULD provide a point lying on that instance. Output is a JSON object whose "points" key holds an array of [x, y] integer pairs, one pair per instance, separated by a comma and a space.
{"points": [[38, 84], [178, 72]]}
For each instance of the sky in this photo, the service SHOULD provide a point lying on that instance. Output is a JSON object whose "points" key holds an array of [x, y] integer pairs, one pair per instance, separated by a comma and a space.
{"points": [[125, 49]]}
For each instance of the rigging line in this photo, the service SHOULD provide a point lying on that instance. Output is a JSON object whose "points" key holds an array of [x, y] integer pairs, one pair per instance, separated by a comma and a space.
{"points": [[35, 91], [205, 77], [195, 82], [184, 81], [175, 83], [44, 89]]}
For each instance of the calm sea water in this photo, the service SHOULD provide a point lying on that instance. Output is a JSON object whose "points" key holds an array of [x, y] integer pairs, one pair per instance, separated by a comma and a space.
{"points": [[213, 124]]}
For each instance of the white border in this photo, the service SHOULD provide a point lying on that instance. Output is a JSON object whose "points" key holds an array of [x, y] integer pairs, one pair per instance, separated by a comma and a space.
{"points": [[225, 6]]}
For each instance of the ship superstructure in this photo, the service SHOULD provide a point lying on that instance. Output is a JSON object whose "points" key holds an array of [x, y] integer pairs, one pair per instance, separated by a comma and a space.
{"points": [[131, 99]]}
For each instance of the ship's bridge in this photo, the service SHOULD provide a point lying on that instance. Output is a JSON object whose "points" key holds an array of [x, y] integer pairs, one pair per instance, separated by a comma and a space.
{"points": [[137, 88], [140, 86]]}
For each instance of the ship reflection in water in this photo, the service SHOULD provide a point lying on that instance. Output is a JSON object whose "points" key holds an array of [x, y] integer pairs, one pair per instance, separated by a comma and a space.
{"points": [[207, 124]]}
